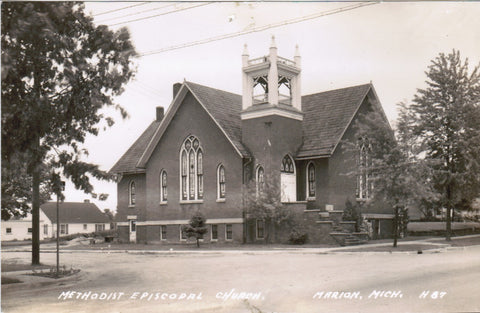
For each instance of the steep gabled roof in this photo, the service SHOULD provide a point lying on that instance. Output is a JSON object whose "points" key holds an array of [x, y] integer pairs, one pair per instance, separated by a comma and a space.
{"points": [[128, 162], [224, 108], [327, 115], [74, 212]]}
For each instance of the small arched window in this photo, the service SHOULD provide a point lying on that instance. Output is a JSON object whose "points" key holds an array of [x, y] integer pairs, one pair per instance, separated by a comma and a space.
{"points": [[260, 179], [311, 180], [221, 182], [131, 193], [191, 165], [163, 186]]}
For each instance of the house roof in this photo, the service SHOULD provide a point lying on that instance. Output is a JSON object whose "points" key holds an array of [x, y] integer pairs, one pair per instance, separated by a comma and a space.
{"points": [[74, 212], [327, 115]]}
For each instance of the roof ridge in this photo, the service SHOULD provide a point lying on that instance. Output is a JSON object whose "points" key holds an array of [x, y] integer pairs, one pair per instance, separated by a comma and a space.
{"points": [[216, 89], [342, 88]]}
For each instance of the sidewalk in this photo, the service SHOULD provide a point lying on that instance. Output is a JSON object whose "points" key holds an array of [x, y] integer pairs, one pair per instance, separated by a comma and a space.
{"points": [[427, 244]]}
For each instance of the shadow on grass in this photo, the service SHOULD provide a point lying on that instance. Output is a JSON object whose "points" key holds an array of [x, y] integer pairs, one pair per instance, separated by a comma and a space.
{"points": [[13, 267], [9, 280]]}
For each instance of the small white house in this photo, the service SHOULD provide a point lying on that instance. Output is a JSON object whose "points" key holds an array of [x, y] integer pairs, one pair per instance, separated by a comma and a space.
{"points": [[18, 228], [75, 217]]}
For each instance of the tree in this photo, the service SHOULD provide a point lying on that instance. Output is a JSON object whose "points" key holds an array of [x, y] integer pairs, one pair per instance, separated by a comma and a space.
{"points": [[398, 178], [196, 227], [17, 189], [447, 125], [264, 203], [352, 213], [59, 71]]}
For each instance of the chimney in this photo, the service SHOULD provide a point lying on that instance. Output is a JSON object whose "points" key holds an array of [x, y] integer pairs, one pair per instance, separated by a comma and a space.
{"points": [[86, 201], [160, 113], [176, 88]]}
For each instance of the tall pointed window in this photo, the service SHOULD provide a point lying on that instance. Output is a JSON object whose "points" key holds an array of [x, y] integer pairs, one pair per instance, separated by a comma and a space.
{"points": [[311, 181], [191, 165], [260, 179], [364, 163], [131, 193], [163, 186], [221, 182]]}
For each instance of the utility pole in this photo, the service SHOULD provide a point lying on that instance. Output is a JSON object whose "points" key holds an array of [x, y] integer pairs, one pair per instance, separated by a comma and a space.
{"points": [[62, 183]]}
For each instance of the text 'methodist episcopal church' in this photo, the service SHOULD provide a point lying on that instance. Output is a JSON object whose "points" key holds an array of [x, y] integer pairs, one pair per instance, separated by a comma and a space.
{"points": [[211, 144]]}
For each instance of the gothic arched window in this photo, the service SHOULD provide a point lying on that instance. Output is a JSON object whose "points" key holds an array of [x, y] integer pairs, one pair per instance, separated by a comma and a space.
{"points": [[131, 193], [191, 165], [311, 180], [260, 179], [364, 163], [287, 165], [221, 182], [163, 186]]}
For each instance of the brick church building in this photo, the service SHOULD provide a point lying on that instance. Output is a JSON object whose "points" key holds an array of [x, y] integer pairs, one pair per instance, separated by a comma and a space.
{"points": [[210, 144]]}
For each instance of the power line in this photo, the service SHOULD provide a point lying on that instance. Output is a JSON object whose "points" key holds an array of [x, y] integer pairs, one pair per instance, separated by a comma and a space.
{"points": [[130, 6], [156, 15], [135, 13], [258, 29]]}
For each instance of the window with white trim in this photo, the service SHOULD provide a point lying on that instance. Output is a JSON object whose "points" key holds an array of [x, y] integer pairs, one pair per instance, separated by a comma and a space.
{"points": [[260, 179], [221, 182], [163, 186], [364, 188], [311, 185], [8, 230], [191, 165], [131, 193], [45, 229], [99, 227], [64, 229]]}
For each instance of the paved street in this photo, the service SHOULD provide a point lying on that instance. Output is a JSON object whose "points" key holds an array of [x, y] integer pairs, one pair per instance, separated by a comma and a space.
{"points": [[270, 281]]}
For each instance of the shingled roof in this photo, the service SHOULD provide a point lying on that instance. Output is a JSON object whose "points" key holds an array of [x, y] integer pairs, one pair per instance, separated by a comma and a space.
{"points": [[74, 212], [128, 162], [225, 108], [327, 116]]}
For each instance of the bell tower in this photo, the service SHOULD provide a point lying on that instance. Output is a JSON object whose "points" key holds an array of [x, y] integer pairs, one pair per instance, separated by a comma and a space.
{"points": [[271, 108], [271, 82]]}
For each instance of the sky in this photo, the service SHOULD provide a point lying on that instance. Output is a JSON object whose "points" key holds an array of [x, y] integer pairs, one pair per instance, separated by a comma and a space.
{"points": [[388, 44]]}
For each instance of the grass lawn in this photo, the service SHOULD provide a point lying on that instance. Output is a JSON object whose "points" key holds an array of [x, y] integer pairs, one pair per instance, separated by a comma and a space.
{"points": [[401, 247], [13, 267], [9, 280]]}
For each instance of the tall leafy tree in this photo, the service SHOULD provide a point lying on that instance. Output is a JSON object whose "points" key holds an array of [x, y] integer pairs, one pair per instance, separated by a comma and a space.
{"points": [[264, 203], [397, 176], [447, 124], [59, 70]]}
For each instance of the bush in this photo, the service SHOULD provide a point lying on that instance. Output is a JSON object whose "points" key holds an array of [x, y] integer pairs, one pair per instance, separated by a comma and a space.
{"points": [[353, 213], [297, 237]]}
